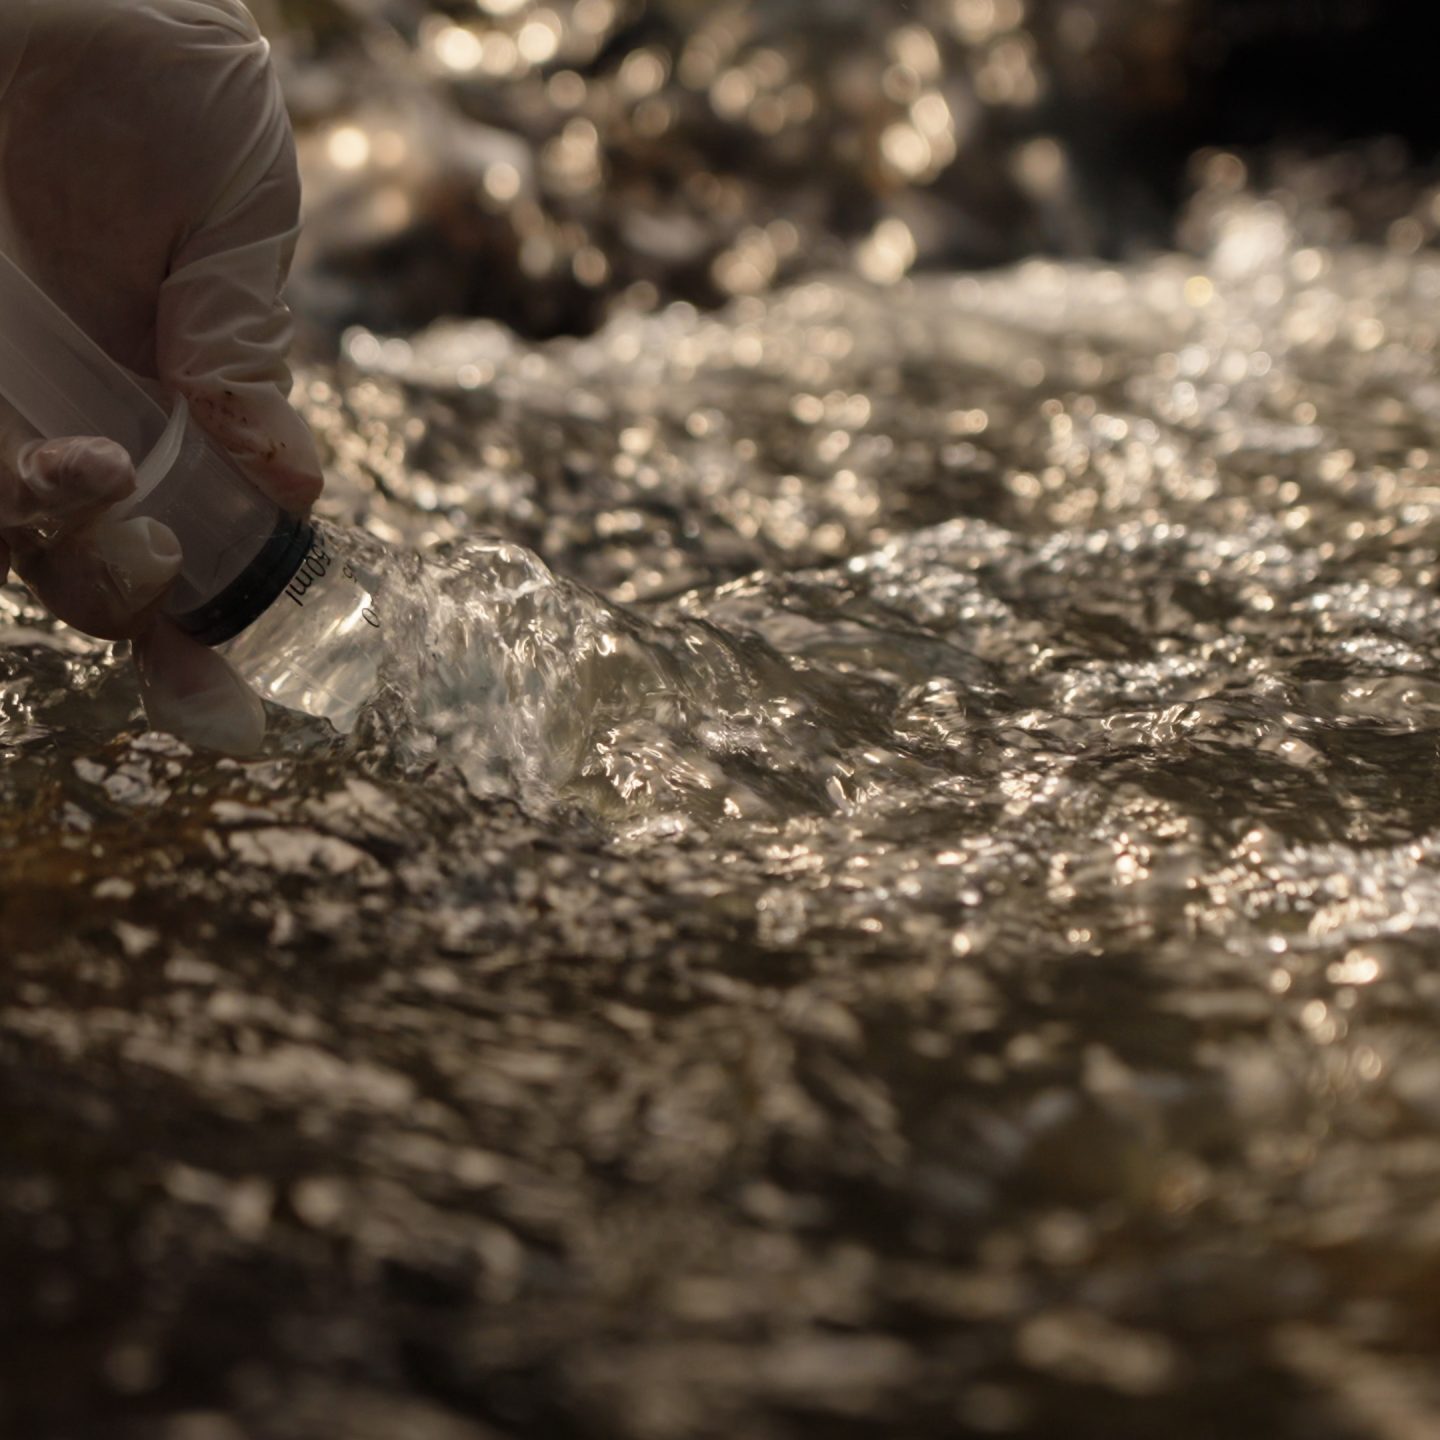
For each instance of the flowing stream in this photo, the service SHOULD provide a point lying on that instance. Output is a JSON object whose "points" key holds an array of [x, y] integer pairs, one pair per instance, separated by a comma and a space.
{"points": [[916, 917]]}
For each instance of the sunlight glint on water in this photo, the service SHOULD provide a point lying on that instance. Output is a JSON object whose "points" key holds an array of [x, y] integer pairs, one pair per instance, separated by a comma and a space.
{"points": [[949, 833]]}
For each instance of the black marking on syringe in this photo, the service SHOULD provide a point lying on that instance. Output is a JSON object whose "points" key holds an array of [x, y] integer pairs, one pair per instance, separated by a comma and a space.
{"points": [[315, 566], [281, 559]]}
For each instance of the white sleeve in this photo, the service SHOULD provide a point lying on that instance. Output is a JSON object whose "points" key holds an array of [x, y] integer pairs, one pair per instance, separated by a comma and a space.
{"points": [[223, 330], [148, 167]]}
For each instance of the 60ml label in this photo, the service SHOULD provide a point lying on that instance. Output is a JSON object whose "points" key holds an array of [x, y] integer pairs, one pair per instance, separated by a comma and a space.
{"points": [[313, 568]]}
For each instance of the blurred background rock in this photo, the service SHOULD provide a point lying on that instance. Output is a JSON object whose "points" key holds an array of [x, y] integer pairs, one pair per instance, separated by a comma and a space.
{"points": [[543, 161]]}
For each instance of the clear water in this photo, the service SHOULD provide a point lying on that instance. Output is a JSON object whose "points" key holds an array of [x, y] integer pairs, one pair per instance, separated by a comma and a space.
{"points": [[915, 918], [317, 649]]}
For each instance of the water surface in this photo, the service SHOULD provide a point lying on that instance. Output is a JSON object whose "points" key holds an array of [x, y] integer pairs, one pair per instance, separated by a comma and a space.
{"points": [[915, 917]]}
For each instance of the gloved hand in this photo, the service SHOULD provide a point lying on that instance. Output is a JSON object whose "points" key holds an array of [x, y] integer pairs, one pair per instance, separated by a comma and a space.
{"points": [[148, 184]]}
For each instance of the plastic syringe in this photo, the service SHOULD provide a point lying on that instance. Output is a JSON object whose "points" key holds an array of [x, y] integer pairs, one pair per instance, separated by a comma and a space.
{"points": [[239, 549]]}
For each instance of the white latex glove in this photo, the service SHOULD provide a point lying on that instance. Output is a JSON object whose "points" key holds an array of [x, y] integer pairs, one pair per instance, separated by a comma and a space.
{"points": [[148, 184]]}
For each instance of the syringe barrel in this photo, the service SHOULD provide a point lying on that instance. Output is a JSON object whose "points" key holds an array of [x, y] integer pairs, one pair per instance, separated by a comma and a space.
{"points": [[239, 548]]}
